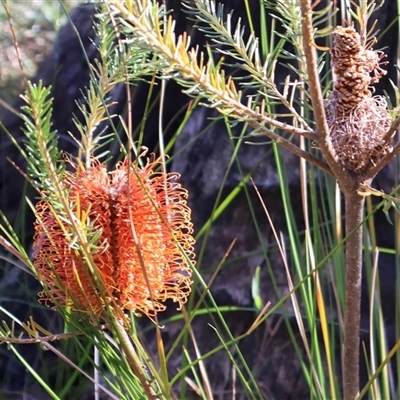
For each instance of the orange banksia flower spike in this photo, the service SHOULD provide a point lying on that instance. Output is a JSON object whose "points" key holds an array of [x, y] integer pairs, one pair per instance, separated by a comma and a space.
{"points": [[357, 120], [144, 246]]}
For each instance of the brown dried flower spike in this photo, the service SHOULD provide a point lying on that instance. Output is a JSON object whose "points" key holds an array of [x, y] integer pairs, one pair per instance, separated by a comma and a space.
{"points": [[358, 121], [145, 240]]}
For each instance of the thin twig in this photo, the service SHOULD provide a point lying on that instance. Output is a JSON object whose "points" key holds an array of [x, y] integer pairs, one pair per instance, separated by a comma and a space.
{"points": [[393, 128], [11, 339], [385, 160], [291, 146]]}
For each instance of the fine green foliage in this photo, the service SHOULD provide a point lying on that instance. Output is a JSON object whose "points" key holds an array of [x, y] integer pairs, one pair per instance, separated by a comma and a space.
{"points": [[45, 165]]}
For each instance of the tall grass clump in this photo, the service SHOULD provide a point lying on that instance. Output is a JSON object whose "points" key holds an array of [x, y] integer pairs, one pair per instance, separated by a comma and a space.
{"points": [[114, 237]]}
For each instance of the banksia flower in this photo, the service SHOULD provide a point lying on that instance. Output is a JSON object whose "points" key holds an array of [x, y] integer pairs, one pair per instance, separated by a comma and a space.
{"points": [[358, 121], [136, 227]]}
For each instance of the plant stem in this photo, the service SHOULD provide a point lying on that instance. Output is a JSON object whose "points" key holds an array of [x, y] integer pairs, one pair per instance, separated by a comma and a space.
{"points": [[132, 358], [354, 212]]}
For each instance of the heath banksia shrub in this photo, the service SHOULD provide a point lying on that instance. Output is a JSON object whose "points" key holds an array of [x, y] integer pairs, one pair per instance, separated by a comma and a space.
{"points": [[144, 233], [358, 121], [123, 239]]}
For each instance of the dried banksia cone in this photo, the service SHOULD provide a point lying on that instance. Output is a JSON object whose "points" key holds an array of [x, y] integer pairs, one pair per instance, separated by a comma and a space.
{"points": [[141, 249], [357, 120]]}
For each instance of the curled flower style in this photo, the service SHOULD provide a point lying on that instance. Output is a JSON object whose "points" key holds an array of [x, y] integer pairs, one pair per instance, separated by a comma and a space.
{"points": [[357, 120], [129, 245]]}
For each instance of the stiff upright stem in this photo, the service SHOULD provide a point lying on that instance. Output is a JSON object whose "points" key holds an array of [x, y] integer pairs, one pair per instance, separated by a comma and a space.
{"points": [[351, 350]]}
